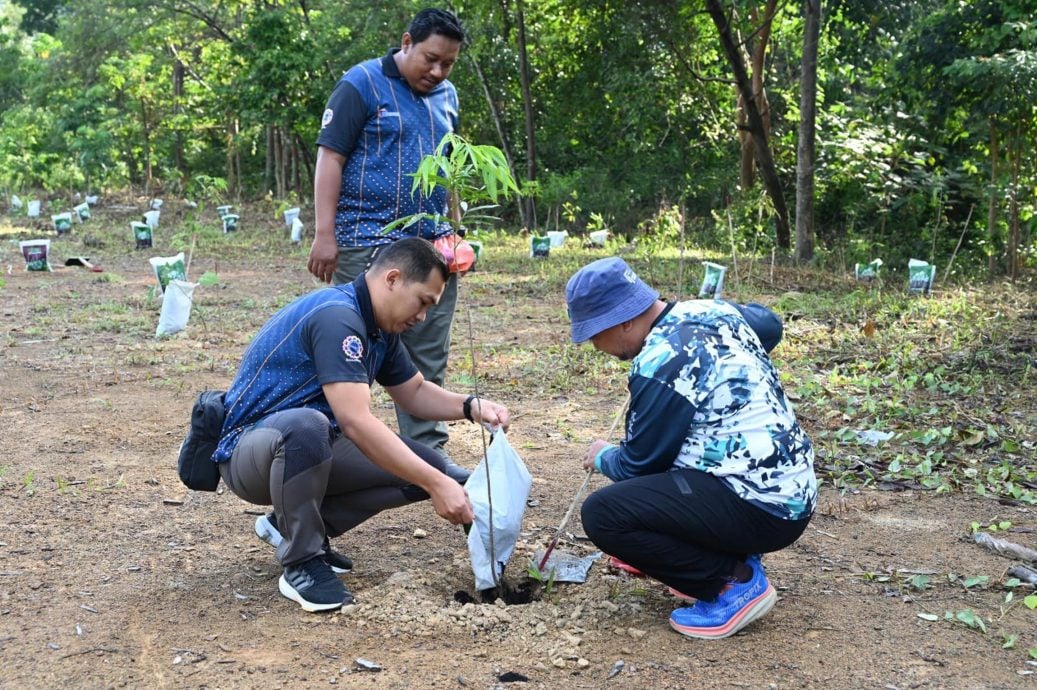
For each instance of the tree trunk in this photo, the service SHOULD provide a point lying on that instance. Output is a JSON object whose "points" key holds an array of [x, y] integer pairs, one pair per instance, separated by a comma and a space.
{"points": [[178, 94], [268, 165], [758, 59], [146, 132], [233, 161], [498, 122], [527, 101], [1014, 236], [768, 171], [278, 163], [296, 176], [805, 154], [992, 200], [307, 164]]}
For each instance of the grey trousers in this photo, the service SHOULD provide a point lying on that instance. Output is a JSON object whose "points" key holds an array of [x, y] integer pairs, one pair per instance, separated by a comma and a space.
{"points": [[319, 483], [428, 343]]}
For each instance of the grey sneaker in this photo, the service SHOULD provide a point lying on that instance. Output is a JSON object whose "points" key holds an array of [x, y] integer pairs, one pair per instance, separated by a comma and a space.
{"points": [[266, 529], [313, 585]]}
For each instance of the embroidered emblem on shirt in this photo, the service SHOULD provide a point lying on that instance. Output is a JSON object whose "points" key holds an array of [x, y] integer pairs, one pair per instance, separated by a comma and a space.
{"points": [[329, 114], [353, 348]]}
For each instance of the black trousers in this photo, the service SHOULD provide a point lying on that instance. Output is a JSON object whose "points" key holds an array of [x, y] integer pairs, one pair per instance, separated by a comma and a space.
{"points": [[685, 528]]}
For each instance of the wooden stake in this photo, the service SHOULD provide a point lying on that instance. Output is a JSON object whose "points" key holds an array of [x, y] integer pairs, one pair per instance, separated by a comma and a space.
{"points": [[579, 492]]}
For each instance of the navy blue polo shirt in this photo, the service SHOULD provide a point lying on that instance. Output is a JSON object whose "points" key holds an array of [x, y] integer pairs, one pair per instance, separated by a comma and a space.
{"points": [[384, 128], [326, 336]]}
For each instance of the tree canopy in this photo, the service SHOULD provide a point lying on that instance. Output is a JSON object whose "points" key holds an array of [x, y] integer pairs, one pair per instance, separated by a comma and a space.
{"points": [[611, 114]]}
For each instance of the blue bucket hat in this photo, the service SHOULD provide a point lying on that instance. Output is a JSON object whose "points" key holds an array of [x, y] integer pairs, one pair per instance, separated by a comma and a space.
{"points": [[604, 294]]}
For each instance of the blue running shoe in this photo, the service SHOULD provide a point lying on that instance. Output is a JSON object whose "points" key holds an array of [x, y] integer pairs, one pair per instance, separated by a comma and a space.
{"points": [[736, 607]]}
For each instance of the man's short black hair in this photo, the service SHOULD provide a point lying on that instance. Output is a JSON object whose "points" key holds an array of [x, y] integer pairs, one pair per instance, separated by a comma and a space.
{"points": [[414, 257], [436, 21]]}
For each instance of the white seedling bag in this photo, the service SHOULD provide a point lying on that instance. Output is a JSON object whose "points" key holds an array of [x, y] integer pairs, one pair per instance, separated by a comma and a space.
{"points": [[712, 281], [509, 482], [176, 307]]}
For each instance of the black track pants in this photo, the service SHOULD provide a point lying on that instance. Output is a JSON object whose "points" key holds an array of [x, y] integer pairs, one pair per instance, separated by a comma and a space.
{"points": [[685, 528]]}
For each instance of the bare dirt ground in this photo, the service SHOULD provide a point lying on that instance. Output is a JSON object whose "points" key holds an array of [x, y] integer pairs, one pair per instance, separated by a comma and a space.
{"points": [[112, 574]]}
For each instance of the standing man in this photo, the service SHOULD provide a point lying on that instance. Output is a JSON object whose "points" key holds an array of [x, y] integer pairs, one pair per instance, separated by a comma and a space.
{"points": [[714, 469], [299, 433], [384, 115]]}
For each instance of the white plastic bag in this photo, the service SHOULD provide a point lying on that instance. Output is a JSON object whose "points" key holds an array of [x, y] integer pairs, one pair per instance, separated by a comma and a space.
{"points": [[509, 482], [290, 215], [176, 307]]}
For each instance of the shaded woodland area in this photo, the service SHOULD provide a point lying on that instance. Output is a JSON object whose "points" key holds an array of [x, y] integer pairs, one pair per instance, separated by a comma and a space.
{"points": [[651, 119]]}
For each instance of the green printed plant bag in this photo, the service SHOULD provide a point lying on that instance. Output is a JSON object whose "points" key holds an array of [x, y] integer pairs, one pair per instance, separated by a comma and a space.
{"points": [[920, 276], [168, 268], [539, 247], [62, 223], [82, 211], [712, 281], [36, 254], [142, 234], [230, 222], [867, 272]]}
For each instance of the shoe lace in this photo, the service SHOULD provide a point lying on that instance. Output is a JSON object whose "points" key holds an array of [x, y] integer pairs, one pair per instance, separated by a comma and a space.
{"points": [[318, 570]]}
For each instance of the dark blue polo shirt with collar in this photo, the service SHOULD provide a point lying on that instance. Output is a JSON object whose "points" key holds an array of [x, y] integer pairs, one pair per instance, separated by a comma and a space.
{"points": [[326, 336], [384, 128]]}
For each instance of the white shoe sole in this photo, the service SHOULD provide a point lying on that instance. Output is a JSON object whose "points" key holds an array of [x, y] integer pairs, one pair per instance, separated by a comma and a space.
{"points": [[288, 591], [266, 532], [761, 606]]}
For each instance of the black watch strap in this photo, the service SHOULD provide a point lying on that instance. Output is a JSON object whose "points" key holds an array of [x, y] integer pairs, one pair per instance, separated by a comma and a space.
{"points": [[468, 407]]}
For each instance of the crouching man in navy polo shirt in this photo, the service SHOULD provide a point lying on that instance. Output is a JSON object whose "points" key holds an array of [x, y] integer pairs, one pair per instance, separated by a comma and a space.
{"points": [[299, 433], [714, 469]]}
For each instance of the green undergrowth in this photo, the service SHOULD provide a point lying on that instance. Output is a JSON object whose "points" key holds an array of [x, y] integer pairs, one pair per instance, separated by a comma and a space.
{"points": [[897, 391]]}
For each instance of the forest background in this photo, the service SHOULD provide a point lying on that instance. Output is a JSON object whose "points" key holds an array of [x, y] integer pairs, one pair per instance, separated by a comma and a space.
{"points": [[618, 115]]}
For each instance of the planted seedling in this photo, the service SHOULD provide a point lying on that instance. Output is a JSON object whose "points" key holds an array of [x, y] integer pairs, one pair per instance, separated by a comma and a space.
{"points": [[535, 574]]}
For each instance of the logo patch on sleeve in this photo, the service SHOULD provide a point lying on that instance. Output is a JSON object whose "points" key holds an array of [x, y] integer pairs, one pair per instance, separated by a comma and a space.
{"points": [[329, 114], [353, 348]]}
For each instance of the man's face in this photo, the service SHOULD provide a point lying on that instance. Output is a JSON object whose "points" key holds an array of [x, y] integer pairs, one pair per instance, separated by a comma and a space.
{"points": [[409, 301], [617, 341], [424, 65]]}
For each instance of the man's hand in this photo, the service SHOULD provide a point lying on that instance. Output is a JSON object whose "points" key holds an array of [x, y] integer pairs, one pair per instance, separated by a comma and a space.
{"points": [[323, 257], [592, 452], [489, 412], [451, 503], [327, 184]]}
